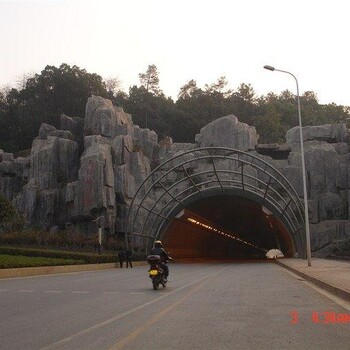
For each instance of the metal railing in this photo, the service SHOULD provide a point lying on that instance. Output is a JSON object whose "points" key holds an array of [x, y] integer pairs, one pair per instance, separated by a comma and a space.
{"points": [[204, 172]]}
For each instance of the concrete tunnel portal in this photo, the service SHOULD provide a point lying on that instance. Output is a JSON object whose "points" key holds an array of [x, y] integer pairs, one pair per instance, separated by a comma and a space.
{"points": [[217, 203], [226, 227]]}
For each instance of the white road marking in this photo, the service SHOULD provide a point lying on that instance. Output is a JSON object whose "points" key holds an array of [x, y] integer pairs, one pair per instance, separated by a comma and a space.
{"points": [[129, 312], [80, 292], [26, 291], [138, 331], [53, 291], [329, 295]]}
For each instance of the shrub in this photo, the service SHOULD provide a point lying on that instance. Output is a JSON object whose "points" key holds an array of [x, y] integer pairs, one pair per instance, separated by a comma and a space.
{"points": [[10, 220], [15, 261], [88, 258]]}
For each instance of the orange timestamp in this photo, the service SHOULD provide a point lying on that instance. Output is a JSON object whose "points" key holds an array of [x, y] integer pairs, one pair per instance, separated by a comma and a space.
{"points": [[326, 317]]}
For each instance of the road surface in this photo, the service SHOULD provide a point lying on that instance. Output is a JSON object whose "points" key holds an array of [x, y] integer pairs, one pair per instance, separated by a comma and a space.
{"points": [[205, 306]]}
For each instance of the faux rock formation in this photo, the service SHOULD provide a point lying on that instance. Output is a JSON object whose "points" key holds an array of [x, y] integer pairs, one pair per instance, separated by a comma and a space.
{"points": [[228, 132], [332, 133], [94, 166]]}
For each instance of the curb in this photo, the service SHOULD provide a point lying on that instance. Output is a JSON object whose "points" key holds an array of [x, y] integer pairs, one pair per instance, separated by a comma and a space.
{"points": [[51, 270], [341, 293]]}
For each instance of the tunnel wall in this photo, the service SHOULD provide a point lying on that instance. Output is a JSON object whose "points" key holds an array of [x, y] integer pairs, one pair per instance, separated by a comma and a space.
{"points": [[185, 240]]}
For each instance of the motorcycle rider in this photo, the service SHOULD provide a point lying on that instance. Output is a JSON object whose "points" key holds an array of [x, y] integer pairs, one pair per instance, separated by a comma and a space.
{"points": [[164, 256]]}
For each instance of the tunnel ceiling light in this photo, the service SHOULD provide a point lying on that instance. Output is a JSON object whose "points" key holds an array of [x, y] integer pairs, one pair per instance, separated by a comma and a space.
{"points": [[224, 233]]}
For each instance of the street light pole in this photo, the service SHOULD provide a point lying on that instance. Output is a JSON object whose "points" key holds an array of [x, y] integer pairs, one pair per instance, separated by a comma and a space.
{"points": [[306, 209]]}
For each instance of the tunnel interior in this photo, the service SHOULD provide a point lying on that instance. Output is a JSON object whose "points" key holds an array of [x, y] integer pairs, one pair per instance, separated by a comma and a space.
{"points": [[226, 227]]}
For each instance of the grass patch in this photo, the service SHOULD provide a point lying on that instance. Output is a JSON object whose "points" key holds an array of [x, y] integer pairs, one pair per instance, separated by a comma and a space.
{"points": [[15, 261], [88, 258]]}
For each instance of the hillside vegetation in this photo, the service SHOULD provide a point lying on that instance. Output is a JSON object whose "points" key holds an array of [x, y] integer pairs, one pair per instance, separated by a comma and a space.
{"points": [[42, 98]]}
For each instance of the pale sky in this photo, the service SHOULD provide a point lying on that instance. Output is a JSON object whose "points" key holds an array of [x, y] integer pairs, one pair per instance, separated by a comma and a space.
{"points": [[185, 39]]}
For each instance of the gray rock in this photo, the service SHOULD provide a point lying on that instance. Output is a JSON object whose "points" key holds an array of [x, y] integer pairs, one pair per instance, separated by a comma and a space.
{"points": [[140, 167], [125, 129], [342, 176], [120, 225], [228, 132], [71, 179], [45, 130], [8, 157], [322, 164], [122, 147], [123, 117], [341, 148], [331, 206], [124, 184], [326, 232], [71, 191], [334, 133], [96, 179], [75, 126], [102, 118], [26, 202], [64, 134], [146, 141], [8, 168], [313, 211], [54, 160], [13, 175], [294, 175]]}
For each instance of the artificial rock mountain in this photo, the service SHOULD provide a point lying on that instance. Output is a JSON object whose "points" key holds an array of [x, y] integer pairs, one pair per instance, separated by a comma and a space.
{"points": [[92, 167]]}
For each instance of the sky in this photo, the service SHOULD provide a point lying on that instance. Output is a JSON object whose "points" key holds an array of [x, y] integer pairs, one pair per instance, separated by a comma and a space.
{"points": [[186, 39]]}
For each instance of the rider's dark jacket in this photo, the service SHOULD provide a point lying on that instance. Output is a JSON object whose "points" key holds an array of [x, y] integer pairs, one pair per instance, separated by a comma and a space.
{"points": [[161, 252]]}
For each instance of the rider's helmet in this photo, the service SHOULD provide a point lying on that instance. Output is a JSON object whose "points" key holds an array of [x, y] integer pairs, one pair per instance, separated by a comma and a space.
{"points": [[158, 244]]}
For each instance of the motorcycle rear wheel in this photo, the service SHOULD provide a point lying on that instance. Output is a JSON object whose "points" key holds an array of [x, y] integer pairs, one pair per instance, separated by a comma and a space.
{"points": [[155, 283]]}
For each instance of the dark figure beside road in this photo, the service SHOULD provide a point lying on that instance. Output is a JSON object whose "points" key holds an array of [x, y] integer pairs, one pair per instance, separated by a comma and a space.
{"points": [[121, 257], [128, 257]]}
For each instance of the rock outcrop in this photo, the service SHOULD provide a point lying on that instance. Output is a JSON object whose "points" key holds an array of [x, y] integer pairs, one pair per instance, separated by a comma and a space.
{"points": [[94, 166], [89, 167], [228, 132], [332, 133]]}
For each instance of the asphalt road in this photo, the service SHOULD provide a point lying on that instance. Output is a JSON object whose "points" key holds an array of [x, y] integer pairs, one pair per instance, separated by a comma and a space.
{"points": [[205, 306]]}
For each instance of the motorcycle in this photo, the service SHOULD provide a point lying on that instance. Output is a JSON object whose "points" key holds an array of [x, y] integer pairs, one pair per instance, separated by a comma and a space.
{"points": [[156, 272]]}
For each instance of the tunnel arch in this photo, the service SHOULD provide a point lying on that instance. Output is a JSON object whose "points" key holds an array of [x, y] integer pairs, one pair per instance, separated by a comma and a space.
{"points": [[203, 174]]}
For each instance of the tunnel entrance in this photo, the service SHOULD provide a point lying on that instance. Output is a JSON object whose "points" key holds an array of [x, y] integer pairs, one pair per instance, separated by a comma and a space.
{"points": [[226, 227], [217, 203]]}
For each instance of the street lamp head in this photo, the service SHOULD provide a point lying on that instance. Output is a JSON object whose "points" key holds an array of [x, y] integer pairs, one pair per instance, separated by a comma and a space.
{"points": [[269, 67]]}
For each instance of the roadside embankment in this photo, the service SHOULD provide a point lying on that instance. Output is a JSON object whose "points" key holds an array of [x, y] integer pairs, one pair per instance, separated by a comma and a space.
{"points": [[331, 275], [48, 270]]}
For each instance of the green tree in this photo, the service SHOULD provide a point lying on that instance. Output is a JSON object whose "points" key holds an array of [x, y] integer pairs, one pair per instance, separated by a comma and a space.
{"points": [[45, 97], [150, 80], [269, 126], [219, 87], [202, 106], [113, 86], [10, 220], [243, 103], [336, 114], [188, 90]]}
